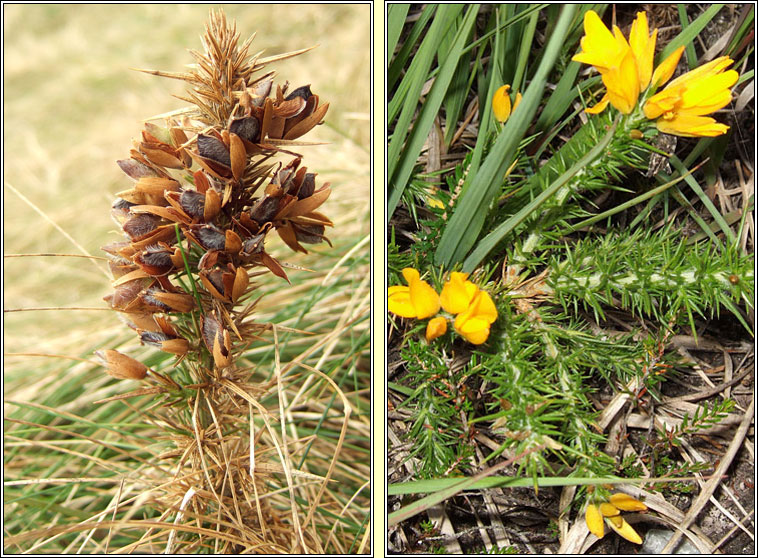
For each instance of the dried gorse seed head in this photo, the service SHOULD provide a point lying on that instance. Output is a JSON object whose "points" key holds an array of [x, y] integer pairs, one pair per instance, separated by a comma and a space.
{"points": [[207, 190]]}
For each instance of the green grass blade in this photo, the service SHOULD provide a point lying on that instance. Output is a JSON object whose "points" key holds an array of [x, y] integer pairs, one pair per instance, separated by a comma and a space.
{"points": [[527, 39], [692, 31], [465, 224], [409, 45], [428, 486], [405, 100], [492, 239], [690, 48], [396, 14], [692, 183], [400, 164]]}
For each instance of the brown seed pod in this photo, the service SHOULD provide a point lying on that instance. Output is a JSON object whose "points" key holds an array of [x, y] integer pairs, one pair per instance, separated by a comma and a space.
{"points": [[193, 203], [237, 156], [248, 128], [141, 225], [176, 302], [232, 243], [212, 205], [304, 92], [217, 340], [135, 169], [166, 343], [125, 294], [306, 120], [156, 259], [253, 245], [265, 209], [214, 149], [209, 237], [215, 284], [308, 186]]}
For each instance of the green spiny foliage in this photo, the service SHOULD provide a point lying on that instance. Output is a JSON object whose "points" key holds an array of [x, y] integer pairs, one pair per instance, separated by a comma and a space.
{"points": [[651, 274]]}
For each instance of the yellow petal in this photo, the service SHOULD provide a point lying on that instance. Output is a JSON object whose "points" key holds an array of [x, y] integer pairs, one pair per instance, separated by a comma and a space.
{"points": [[626, 503], [425, 299], [662, 102], [483, 307], [708, 94], [623, 84], [501, 103], [600, 47], [434, 202], [410, 275], [711, 68], [691, 126], [643, 47], [620, 525], [594, 520], [609, 510], [436, 327], [517, 101], [457, 293], [474, 323], [600, 107], [665, 69], [399, 301], [475, 330]]}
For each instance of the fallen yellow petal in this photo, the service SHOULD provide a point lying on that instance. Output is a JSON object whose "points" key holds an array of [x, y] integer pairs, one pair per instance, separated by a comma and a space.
{"points": [[627, 503], [609, 510], [620, 525], [594, 520]]}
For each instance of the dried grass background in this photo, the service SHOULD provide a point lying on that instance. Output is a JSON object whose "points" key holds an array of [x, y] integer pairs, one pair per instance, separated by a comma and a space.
{"points": [[72, 106]]}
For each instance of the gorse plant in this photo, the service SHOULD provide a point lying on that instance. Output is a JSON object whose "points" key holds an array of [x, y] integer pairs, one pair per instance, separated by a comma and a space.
{"points": [[208, 189], [521, 222]]}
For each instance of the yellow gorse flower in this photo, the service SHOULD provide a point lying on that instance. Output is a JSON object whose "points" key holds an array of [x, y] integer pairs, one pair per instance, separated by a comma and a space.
{"points": [[474, 322], [435, 328], [595, 515], [626, 69], [474, 309], [594, 520], [501, 103], [417, 300], [457, 293], [681, 107]]}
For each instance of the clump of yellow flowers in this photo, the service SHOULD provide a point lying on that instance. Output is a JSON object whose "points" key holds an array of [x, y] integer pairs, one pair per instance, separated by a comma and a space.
{"points": [[626, 68], [470, 308], [599, 513]]}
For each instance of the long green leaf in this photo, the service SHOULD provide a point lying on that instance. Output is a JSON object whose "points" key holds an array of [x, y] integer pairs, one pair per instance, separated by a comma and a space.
{"points": [[492, 239], [406, 98], [409, 46], [396, 14], [428, 486], [400, 164], [465, 224], [692, 31], [692, 183], [690, 48]]}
